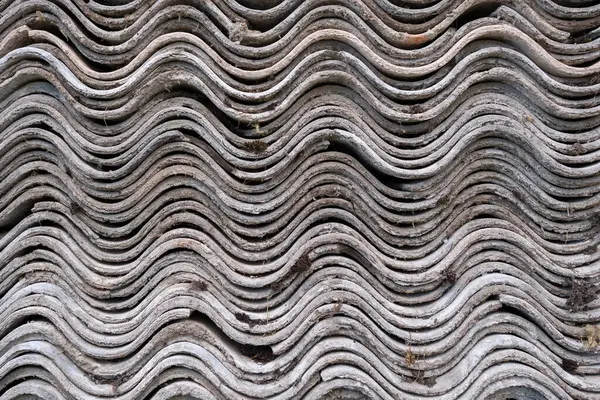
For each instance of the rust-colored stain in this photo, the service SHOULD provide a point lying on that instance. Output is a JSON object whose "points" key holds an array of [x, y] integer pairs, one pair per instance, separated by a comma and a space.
{"points": [[417, 40]]}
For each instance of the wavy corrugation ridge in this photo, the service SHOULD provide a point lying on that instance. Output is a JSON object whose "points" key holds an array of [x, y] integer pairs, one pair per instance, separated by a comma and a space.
{"points": [[243, 199]]}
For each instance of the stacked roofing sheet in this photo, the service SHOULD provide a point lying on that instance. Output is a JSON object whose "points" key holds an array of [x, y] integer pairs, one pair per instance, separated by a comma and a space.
{"points": [[321, 199]]}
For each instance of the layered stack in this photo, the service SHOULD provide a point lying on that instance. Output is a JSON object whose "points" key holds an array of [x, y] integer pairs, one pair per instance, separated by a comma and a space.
{"points": [[321, 199]]}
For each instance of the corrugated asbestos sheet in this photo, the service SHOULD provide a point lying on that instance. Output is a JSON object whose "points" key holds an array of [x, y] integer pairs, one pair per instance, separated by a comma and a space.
{"points": [[320, 199]]}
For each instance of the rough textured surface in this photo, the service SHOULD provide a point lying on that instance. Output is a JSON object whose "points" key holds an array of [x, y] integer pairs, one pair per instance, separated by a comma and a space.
{"points": [[265, 199]]}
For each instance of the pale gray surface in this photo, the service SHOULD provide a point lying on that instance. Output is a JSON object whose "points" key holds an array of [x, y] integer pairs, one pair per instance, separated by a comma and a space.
{"points": [[396, 200]]}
